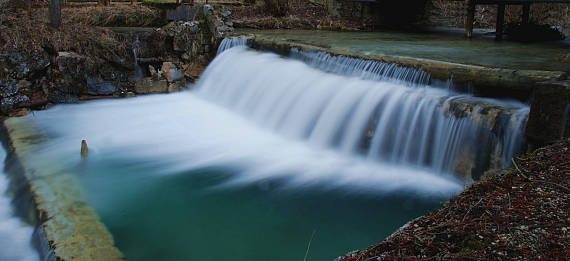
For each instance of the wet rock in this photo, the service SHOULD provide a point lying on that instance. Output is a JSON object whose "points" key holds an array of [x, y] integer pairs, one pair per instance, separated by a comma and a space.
{"points": [[170, 73], [62, 97], [70, 62], [193, 70], [177, 86], [7, 104], [153, 73], [24, 85], [100, 87], [184, 34], [147, 85], [8, 88]]}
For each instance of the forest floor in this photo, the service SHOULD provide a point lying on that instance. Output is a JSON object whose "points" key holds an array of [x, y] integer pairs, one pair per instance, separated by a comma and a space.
{"points": [[518, 214]]}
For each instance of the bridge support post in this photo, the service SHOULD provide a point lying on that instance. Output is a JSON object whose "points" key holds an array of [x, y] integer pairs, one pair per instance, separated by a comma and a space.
{"points": [[469, 18], [526, 13], [500, 22]]}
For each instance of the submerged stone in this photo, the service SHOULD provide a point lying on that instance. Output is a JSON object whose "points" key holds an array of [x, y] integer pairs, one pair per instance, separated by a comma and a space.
{"points": [[147, 85]]}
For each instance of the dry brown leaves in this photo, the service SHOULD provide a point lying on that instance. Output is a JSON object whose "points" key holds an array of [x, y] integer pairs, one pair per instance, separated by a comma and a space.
{"points": [[519, 214], [302, 14], [31, 35]]}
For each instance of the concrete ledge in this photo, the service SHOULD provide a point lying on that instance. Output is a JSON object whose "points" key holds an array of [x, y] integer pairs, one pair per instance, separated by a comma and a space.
{"points": [[483, 78], [548, 91], [70, 225]]}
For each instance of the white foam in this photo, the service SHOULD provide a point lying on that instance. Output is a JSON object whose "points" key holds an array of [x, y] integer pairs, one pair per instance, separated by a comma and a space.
{"points": [[181, 132], [15, 234]]}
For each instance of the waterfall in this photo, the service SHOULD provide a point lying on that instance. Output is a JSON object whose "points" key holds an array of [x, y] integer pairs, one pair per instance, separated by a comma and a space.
{"points": [[15, 233], [138, 70], [259, 117], [368, 109], [228, 43], [365, 69]]}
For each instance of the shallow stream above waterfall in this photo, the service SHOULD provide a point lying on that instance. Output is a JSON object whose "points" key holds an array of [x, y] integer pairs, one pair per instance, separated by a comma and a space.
{"points": [[264, 151], [444, 45]]}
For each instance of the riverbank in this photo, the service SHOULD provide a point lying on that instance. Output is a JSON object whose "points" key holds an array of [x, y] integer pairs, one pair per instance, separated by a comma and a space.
{"points": [[520, 213]]}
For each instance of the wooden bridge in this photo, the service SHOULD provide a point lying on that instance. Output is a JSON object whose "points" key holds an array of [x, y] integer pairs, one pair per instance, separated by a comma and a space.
{"points": [[470, 12]]}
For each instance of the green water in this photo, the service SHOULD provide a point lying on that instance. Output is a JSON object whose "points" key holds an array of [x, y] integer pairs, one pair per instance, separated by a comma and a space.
{"points": [[188, 217], [448, 46]]}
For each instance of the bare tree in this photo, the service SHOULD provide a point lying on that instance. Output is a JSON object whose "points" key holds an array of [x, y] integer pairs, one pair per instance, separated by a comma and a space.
{"points": [[54, 13]]}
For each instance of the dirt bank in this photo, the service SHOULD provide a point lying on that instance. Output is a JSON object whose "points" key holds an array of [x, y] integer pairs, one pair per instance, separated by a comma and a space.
{"points": [[520, 213]]}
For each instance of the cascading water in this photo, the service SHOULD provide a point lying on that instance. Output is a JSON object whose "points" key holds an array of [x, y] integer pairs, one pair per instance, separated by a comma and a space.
{"points": [[371, 113], [138, 74], [367, 70], [15, 235], [229, 43], [266, 150]]}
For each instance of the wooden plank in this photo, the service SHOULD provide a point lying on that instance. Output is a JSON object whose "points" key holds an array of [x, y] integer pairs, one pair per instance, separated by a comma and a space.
{"points": [[526, 14], [500, 22], [469, 18]]}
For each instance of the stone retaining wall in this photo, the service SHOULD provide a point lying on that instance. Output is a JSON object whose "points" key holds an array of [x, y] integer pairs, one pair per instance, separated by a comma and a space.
{"points": [[549, 91], [67, 222]]}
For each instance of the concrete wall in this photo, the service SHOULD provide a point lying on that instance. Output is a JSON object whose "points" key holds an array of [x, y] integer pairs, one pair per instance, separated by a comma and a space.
{"points": [[379, 13]]}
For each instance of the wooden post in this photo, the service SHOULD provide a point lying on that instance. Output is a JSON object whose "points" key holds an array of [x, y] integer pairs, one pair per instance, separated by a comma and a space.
{"points": [[29, 8], [526, 13], [500, 22], [84, 149], [469, 18], [54, 13]]}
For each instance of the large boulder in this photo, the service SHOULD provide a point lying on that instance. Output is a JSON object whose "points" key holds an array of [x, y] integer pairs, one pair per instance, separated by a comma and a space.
{"points": [[170, 72], [147, 85], [18, 73]]}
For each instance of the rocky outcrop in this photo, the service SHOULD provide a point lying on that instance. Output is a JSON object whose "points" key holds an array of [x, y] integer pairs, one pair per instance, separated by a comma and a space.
{"points": [[170, 56], [197, 40], [21, 78]]}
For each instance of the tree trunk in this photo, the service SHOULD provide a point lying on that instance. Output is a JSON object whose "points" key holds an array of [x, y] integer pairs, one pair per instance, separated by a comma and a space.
{"points": [[54, 13], [500, 22], [133, 2]]}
